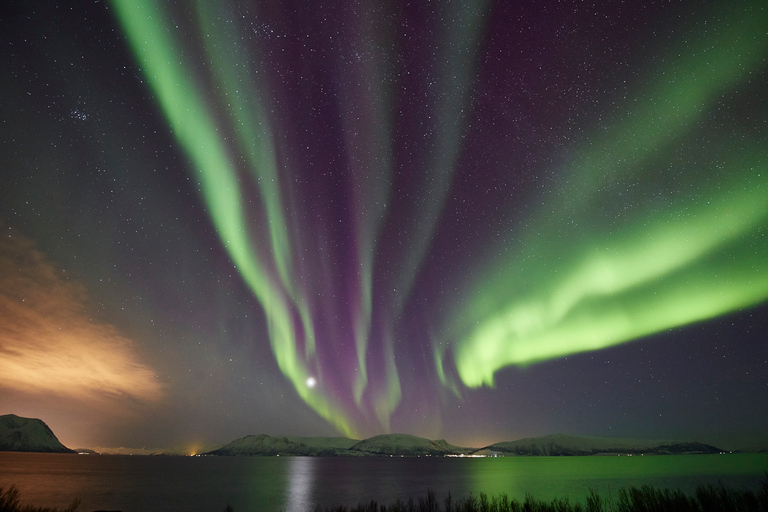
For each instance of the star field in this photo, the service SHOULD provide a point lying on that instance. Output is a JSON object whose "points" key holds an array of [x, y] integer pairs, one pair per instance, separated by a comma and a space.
{"points": [[476, 221]]}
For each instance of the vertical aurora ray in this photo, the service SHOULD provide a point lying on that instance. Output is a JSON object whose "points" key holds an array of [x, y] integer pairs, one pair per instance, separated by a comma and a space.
{"points": [[367, 122], [255, 141], [369, 129], [267, 273], [619, 252], [448, 98], [450, 106]]}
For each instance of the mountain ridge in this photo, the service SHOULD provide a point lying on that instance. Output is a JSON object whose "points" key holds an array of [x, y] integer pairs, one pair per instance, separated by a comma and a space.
{"points": [[33, 435], [406, 445], [263, 444], [564, 444]]}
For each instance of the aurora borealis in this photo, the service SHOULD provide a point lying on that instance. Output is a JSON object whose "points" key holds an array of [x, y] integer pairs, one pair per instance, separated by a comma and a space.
{"points": [[468, 220]]}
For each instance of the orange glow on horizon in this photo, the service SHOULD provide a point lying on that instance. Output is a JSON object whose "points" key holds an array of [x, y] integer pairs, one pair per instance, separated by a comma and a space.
{"points": [[51, 346]]}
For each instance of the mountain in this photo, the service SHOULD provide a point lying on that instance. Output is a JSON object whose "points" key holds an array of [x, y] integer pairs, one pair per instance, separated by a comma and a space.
{"points": [[382, 445], [412, 446], [560, 444], [19, 434], [285, 445], [406, 445]]}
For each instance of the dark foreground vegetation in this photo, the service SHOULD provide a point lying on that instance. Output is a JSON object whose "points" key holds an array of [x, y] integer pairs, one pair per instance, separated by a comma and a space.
{"points": [[709, 498], [11, 502]]}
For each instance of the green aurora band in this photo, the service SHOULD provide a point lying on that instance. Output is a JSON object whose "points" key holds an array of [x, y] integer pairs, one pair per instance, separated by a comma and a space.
{"points": [[654, 229], [173, 81], [267, 267], [368, 136]]}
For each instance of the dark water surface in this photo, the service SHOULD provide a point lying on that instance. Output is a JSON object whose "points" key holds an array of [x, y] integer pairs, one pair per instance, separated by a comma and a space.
{"points": [[208, 484]]}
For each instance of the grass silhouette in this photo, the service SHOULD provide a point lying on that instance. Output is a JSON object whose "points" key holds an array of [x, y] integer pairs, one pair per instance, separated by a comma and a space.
{"points": [[707, 498], [11, 502]]}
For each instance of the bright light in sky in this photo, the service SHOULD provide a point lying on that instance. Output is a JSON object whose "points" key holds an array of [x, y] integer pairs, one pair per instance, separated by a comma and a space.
{"points": [[311, 382]]}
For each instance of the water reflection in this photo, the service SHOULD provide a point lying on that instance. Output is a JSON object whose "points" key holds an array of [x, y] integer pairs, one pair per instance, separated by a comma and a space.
{"points": [[274, 484], [301, 479], [572, 478]]}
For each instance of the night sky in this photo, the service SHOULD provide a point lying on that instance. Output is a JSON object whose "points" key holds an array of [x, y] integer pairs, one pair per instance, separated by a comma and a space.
{"points": [[478, 221]]}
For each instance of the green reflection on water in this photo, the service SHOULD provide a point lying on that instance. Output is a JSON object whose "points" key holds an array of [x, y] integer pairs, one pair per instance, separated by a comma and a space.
{"points": [[547, 478]]}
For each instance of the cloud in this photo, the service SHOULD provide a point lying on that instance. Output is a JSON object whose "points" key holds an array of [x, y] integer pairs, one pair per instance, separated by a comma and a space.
{"points": [[51, 346]]}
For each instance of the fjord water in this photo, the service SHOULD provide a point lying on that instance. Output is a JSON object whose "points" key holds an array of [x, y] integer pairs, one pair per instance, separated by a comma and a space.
{"points": [[208, 484]]}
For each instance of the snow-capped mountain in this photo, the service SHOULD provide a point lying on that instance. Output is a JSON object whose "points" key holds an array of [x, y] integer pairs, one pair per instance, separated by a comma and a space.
{"points": [[19, 434]]}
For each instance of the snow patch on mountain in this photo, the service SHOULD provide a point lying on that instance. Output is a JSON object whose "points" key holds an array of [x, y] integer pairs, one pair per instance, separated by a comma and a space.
{"points": [[285, 445], [405, 444], [560, 444]]}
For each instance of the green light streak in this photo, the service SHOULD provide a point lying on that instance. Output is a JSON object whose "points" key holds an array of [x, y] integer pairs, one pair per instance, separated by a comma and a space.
{"points": [[389, 397], [662, 275], [457, 63], [367, 119], [373, 173], [255, 141], [575, 288], [440, 356], [696, 75], [231, 70], [195, 128]]}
